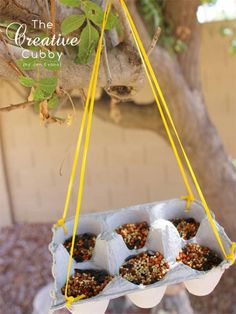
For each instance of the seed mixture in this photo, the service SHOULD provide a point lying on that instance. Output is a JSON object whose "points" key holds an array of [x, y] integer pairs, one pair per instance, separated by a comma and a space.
{"points": [[84, 245], [187, 228], [134, 235], [198, 257], [88, 282], [145, 268]]}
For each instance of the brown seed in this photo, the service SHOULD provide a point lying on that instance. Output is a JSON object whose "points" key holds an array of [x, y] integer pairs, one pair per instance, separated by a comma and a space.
{"points": [[198, 257], [84, 245], [145, 269], [134, 235], [87, 282], [187, 228]]}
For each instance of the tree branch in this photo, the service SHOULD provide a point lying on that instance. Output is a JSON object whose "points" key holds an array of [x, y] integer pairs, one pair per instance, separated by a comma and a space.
{"points": [[182, 94], [127, 67], [200, 138], [22, 105], [19, 10], [154, 41], [132, 116]]}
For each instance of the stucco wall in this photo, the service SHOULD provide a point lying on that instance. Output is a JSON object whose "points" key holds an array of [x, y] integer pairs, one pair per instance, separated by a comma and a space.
{"points": [[124, 166]]}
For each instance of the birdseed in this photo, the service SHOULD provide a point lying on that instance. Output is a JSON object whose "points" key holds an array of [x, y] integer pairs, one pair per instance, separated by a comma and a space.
{"points": [[145, 268], [198, 257], [187, 228], [88, 282], [84, 245], [134, 235]]}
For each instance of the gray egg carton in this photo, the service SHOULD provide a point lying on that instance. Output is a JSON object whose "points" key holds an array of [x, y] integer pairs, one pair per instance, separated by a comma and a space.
{"points": [[110, 252]]}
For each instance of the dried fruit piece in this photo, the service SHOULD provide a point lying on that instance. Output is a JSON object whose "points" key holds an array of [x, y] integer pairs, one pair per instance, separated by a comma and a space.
{"points": [[84, 245], [88, 282], [134, 235], [145, 268], [198, 257]]}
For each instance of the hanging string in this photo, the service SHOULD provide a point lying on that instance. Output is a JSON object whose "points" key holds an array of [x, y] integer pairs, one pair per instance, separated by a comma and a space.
{"points": [[61, 221], [90, 103], [154, 84]]}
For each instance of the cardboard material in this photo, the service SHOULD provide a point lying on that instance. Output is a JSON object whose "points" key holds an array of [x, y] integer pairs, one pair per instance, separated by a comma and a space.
{"points": [[110, 252]]}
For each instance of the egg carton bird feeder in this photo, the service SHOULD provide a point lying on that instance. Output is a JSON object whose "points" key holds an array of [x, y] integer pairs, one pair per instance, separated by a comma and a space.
{"points": [[110, 252]]}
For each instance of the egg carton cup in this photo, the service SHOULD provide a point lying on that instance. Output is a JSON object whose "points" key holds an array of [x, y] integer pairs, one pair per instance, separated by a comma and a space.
{"points": [[110, 252]]}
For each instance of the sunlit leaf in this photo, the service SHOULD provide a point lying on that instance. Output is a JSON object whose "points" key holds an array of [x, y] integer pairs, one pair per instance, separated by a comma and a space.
{"points": [[26, 81], [38, 94], [71, 3], [72, 23], [27, 64], [88, 42], [48, 85], [95, 13], [53, 102]]}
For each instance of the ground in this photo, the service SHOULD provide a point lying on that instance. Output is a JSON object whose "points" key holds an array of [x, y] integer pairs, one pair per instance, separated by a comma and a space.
{"points": [[25, 267]]}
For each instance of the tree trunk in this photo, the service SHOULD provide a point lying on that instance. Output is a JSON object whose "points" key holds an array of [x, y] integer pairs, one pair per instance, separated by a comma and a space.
{"points": [[180, 81]]}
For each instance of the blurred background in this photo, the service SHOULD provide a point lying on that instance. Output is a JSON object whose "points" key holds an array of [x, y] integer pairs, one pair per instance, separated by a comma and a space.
{"points": [[125, 166]]}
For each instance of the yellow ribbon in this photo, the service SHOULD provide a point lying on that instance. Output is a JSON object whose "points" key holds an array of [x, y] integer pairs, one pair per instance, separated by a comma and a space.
{"points": [[89, 104], [61, 223], [70, 300], [157, 90]]}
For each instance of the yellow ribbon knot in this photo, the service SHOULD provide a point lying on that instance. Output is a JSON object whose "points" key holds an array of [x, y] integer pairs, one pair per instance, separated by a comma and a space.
{"points": [[70, 300], [61, 223], [189, 199], [231, 255]]}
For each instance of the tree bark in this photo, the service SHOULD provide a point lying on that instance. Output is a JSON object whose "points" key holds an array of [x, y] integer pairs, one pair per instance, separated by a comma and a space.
{"points": [[180, 81]]}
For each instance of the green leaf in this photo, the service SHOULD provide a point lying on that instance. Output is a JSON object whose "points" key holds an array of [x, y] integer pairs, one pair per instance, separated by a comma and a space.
{"points": [[180, 46], [26, 81], [95, 13], [71, 23], [208, 1], [71, 3], [113, 21], [53, 102], [27, 64], [226, 31], [88, 42], [48, 85], [51, 64], [38, 94]]}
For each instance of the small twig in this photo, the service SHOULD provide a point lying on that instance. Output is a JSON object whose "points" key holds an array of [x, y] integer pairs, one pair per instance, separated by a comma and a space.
{"points": [[12, 61], [105, 57], [154, 41], [82, 96], [22, 105], [71, 101], [128, 38], [53, 16], [4, 28]]}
